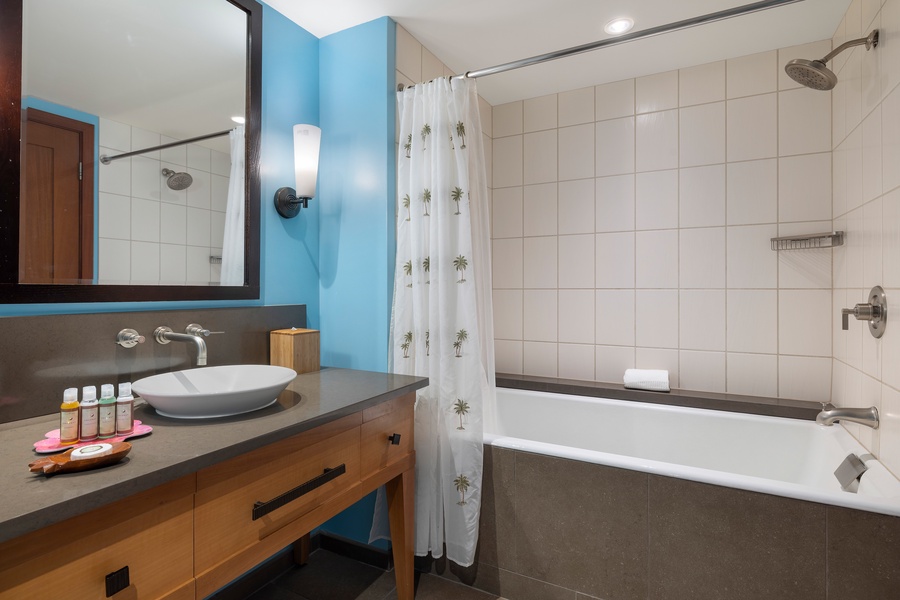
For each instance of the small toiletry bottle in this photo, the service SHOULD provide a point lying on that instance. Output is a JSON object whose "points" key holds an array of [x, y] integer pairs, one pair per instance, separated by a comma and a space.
{"points": [[107, 427], [89, 413], [124, 410], [68, 417]]}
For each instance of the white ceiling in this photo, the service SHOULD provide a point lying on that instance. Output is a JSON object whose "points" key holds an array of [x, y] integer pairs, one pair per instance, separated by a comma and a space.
{"points": [[471, 34]]}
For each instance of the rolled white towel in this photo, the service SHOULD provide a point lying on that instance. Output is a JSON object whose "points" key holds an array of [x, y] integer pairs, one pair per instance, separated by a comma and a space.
{"points": [[655, 380]]}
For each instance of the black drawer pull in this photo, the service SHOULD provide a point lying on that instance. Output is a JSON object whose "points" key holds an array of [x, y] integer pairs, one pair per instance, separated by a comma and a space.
{"points": [[117, 581], [394, 439], [261, 509]]}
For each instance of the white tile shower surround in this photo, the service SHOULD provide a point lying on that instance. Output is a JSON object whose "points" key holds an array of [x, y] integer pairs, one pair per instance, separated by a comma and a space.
{"points": [[149, 233], [756, 156], [693, 171]]}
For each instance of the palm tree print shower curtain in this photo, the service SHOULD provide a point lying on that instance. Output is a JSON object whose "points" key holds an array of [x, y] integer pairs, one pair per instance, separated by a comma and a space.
{"points": [[441, 325]]}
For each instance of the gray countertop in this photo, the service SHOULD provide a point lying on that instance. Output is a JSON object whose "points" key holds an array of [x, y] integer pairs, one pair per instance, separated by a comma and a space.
{"points": [[175, 448]]}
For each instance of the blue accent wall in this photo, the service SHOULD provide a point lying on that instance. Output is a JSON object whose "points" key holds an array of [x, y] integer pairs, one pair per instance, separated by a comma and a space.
{"points": [[357, 182], [289, 255], [356, 221]]}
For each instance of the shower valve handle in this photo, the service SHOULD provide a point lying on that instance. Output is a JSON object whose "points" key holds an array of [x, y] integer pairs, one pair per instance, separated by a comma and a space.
{"points": [[874, 311]]}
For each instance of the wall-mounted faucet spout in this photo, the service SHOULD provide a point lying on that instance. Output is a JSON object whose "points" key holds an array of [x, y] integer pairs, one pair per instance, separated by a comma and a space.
{"points": [[164, 335], [863, 416]]}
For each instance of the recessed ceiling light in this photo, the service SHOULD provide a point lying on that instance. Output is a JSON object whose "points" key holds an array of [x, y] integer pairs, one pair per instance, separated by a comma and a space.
{"points": [[619, 26], [238, 120]]}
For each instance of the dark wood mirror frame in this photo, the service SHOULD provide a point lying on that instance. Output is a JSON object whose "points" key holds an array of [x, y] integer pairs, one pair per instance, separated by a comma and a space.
{"points": [[10, 134]]}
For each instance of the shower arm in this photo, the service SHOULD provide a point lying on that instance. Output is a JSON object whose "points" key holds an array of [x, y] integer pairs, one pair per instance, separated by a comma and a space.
{"points": [[870, 41], [108, 159]]}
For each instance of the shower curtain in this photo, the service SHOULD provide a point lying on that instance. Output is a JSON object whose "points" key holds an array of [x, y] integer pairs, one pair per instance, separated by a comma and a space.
{"points": [[441, 323], [233, 242]]}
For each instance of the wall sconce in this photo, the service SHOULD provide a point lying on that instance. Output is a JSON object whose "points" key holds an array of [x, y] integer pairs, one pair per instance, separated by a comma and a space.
{"points": [[306, 168]]}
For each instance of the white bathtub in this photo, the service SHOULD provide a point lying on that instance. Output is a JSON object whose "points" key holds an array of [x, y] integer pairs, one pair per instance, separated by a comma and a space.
{"points": [[785, 457]]}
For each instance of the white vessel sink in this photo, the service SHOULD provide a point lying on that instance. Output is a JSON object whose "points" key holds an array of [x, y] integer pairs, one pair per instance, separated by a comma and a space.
{"points": [[211, 392]]}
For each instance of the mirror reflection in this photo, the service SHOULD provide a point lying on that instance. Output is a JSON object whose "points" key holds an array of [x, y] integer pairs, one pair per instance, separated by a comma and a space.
{"points": [[117, 77]]}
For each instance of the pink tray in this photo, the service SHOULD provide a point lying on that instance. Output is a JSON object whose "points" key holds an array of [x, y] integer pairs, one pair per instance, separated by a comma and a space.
{"points": [[51, 444]]}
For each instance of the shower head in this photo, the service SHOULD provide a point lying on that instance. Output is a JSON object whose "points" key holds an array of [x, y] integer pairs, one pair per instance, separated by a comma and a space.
{"points": [[814, 74], [811, 73], [177, 181]]}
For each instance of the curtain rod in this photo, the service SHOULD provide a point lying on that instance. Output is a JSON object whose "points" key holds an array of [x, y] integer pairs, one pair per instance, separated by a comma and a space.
{"points": [[108, 159], [628, 37]]}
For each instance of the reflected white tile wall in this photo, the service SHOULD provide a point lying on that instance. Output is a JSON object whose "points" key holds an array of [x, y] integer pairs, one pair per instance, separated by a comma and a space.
{"points": [[137, 206]]}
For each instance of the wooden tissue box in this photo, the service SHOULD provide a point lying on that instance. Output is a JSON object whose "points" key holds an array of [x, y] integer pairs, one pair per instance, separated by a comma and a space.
{"points": [[297, 349]]}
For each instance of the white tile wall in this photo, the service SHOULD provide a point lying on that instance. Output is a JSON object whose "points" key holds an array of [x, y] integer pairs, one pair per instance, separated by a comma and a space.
{"points": [[149, 233], [865, 155], [692, 173]]}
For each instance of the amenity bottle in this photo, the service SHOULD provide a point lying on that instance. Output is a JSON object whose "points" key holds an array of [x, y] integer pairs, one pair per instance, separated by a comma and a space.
{"points": [[68, 417], [125, 410], [89, 414], [107, 427]]}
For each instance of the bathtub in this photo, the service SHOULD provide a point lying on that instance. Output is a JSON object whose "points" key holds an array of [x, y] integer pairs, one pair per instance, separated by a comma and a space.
{"points": [[784, 457]]}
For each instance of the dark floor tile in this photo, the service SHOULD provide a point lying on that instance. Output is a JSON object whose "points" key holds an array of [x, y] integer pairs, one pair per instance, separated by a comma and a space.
{"points": [[581, 526], [272, 592], [863, 555], [329, 576], [432, 587], [708, 541]]}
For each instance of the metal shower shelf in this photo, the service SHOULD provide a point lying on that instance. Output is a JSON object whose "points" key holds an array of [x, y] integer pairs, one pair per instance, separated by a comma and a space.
{"points": [[811, 240]]}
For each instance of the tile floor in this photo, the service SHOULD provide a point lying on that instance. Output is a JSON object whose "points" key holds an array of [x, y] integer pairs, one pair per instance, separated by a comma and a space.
{"points": [[330, 576]]}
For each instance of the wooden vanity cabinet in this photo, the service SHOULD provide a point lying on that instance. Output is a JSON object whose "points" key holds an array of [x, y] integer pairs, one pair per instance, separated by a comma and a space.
{"points": [[71, 559], [228, 540], [188, 538]]}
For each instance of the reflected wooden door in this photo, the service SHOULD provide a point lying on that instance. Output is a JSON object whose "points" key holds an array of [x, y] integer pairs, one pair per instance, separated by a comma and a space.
{"points": [[56, 219]]}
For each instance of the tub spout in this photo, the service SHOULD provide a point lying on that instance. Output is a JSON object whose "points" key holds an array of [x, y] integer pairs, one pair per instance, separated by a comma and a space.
{"points": [[164, 335], [863, 416]]}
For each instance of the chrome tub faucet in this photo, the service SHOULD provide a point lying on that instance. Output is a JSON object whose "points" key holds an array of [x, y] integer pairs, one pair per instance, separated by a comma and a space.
{"points": [[864, 416]]}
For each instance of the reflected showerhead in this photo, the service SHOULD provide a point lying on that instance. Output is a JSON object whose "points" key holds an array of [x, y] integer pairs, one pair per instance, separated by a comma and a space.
{"points": [[814, 74], [811, 73], [177, 181]]}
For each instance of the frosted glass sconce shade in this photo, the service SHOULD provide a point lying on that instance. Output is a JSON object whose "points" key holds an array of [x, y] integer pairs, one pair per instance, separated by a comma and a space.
{"points": [[306, 169]]}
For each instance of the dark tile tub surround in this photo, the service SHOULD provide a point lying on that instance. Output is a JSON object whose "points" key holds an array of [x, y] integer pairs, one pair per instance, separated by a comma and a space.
{"points": [[43, 355], [757, 405], [553, 528]]}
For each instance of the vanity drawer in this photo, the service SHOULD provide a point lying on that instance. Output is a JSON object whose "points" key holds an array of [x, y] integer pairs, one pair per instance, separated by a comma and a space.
{"points": [[380, 423], [149, 533], [225, 523]]}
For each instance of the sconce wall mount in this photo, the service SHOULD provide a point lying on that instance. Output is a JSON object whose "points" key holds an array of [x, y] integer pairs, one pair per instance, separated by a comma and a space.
{"points": [[288, 204]]}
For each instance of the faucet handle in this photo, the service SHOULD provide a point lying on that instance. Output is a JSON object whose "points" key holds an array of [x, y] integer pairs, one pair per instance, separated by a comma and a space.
{"points": [[195, 329], [129, 338]]}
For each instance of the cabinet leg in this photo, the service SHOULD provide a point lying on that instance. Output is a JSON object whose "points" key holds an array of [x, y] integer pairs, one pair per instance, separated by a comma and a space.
{"points": [[301, 550], [401, 509]]}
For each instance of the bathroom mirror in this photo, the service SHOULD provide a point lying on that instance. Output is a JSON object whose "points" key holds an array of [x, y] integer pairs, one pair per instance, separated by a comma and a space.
{"points": [[144, 101]]}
